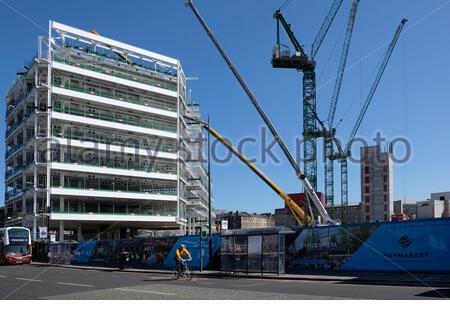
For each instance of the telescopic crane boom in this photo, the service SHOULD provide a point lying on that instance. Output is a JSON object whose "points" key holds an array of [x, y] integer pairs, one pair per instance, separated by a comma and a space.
{"points": [[299, 215], [308, 188]]}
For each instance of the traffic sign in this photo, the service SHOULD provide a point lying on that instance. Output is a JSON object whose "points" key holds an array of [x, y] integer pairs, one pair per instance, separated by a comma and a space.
{"points": [[43, 232]]}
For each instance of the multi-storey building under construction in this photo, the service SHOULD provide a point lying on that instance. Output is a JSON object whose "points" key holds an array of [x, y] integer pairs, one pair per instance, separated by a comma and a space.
{"points": [[96, 141]]}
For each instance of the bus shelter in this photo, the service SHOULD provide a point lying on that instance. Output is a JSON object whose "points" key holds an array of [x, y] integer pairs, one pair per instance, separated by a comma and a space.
{"points": [[254, 250]]}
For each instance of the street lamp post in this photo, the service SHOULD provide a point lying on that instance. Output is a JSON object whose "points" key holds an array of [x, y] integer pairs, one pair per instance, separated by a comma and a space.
{"points": [[209, 196]]}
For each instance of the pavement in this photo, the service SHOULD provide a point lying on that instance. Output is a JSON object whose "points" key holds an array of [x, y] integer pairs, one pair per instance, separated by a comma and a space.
{"points": [[41, 281]]}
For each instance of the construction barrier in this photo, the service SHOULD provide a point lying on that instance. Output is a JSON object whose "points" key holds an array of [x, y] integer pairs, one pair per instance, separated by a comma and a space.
{"points": [[136, 253], [415, 245]]}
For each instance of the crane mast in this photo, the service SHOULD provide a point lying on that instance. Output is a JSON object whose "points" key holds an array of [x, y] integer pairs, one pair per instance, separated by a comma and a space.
{"points": [[302, 62], [329, 138], [308, 187]]}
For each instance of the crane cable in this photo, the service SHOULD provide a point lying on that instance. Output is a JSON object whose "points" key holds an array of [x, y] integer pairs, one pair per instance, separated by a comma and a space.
{"points": [[286, 3], [352, 104], [359, 94], [405, 109], [331, 55]]}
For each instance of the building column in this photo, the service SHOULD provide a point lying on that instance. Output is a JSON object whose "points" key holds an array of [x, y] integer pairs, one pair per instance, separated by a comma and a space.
{"points": [[35, 204], [34, 227], [24, 199], [182, 228], [35, 170], [61, 230], [61, 204], [80, 232], [61, 179], [189, 223], [14, 205]]}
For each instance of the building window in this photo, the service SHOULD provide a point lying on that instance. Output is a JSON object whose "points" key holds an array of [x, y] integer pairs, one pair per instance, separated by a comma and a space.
{"points": [[367, 209], [385, 188], [367, 200], [366, 169], [367, 190], [367, 218], [385, 207], [385, 178], [385, 198], [366, 179], [385, 217]]}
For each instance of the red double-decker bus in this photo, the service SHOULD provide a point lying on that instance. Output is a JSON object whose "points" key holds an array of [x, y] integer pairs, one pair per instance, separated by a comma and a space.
{"points": [[15, 245]]}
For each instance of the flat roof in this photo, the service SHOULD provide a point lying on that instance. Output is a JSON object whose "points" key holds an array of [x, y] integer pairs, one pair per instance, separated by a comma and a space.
{"points": [[62, 28]]}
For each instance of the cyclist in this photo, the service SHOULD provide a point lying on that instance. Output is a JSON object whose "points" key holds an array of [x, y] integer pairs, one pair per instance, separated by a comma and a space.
{"points": [[179, 253]]}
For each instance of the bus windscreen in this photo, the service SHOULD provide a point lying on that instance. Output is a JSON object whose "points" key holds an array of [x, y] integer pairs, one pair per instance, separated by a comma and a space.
{"points": [[18, 236]]}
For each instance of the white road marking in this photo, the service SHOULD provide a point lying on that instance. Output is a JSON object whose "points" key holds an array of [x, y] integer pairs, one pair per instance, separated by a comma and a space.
{"points": [[145, 291], [76, 284], [25, 279], [2, 276], [246, 285]]}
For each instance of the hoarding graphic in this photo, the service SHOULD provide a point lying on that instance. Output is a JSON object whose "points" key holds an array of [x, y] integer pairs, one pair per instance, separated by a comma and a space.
{"points": [[421, 245]]}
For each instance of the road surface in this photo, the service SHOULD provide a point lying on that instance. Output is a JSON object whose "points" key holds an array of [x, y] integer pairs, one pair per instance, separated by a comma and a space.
{"points": [[44, 282]]}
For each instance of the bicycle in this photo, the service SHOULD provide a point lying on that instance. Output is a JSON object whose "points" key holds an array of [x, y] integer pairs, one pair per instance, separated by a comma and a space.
{"points": [[186, 274]]}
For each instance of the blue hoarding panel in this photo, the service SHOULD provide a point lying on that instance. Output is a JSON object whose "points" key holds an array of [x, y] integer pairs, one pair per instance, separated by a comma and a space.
{"points": [[145, 253], [419, 245]]}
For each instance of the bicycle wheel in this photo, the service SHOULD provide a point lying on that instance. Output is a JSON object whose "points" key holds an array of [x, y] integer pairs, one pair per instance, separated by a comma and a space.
{"points": [[188, 274], [175, 274]]}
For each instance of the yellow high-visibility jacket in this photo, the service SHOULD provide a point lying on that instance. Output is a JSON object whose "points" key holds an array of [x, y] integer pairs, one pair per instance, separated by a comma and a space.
{"points": [[179, 253]]}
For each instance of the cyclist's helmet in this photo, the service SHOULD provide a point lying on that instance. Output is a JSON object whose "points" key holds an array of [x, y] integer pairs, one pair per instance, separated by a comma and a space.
{"points": [[182, 246]]}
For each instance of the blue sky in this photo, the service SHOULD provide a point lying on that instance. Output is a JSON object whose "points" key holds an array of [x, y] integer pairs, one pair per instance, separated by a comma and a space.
{"points": [[412, 100]]}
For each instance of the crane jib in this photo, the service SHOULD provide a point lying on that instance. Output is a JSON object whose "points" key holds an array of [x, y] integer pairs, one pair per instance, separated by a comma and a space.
{"points": [[374, 87], [308, 188]]}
